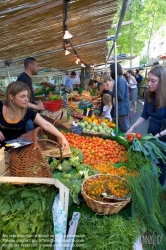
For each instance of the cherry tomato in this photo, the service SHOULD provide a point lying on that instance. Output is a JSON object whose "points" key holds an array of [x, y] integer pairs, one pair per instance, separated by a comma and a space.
{"points": [[139, 136]]}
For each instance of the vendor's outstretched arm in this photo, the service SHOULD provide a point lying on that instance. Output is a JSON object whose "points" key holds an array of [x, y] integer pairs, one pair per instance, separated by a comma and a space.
{"points": [[47, 126], [135, 125], [38, 106]]}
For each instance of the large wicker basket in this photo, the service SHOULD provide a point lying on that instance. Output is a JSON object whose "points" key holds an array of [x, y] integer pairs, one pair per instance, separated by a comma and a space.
{"points": [[102, 208], [29, 161]]}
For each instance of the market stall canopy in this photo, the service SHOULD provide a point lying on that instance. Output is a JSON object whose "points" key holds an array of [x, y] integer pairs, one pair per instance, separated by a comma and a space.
{"points": [[36, 29]]}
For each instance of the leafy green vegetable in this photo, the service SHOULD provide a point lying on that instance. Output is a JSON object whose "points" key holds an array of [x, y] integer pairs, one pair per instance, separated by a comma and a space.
{"points": [[136, 160], [149, 204], [26, 210], [65, 166], [78, 152], [152, 148], [107, 233]]}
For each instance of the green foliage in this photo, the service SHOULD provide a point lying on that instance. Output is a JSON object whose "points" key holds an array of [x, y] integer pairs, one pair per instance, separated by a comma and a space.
{"points": [[78, 152], [26, 211], [148, 17], [66, 166], [53, 163], [149, 205], [111, 233], [136, 160]]}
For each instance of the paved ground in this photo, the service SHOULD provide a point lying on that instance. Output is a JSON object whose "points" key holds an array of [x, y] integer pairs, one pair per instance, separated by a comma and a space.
{"points": [[143, 127]]}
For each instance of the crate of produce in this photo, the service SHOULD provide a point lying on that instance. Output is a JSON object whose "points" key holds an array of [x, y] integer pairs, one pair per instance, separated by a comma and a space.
{"points": [[53, 105], [116, 190], [29, 211]]}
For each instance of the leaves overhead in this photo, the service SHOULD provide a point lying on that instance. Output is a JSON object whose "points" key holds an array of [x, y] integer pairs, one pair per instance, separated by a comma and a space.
{"points": [[148, 17]]}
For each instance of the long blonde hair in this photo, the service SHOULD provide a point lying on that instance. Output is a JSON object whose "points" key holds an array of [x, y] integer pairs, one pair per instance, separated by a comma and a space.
{"points": [[160, 72], [13, 89], [107, 100]]}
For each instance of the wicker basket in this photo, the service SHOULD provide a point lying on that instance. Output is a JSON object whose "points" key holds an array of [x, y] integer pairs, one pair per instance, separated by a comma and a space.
{"points": [[3, 167], [102, 208], [29, 161], [57, 124]]}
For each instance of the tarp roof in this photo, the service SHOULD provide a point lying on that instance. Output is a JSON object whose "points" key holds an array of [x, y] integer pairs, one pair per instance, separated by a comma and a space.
{"points": [[36, 27]]}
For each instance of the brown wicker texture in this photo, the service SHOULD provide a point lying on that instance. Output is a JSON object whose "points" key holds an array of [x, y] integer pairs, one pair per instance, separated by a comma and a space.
{"points": [[3, 167], [52, 121], [102, 208], [55, 123], [29, 161]]}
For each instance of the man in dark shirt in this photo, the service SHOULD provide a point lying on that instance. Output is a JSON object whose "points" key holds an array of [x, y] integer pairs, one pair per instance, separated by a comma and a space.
{"points": [[31, 69]]}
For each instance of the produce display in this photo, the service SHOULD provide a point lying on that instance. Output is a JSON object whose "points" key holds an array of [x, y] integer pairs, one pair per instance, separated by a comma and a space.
{"points": [[72, 171], [54, 97], [111, 185], [97, 125], [149, 207], [113, 232], [96, 150], [132, 165], [151, 147], [26, 210]]}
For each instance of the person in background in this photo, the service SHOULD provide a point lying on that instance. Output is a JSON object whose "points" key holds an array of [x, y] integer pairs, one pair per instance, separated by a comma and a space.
{"points": [[107, 100], [31, 68], [96, 77], [68, 86], [94, 84], [155, 107], [15, 113], [155, 63], [123, 97], [138, 78], [106, 88], [133, 92]]}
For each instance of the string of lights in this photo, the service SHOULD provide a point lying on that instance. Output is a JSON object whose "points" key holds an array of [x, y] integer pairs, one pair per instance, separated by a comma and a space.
{"points": [[67, 45]]}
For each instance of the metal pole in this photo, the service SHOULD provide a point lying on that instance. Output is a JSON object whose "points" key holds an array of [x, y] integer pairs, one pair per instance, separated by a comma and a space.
{"points": [[7, 71], [123, 10], [116, 91]]}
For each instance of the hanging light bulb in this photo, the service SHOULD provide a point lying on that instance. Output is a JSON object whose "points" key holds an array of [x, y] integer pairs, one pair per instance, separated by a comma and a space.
{"points": [[67, 52], [67, 35], [83, 65], [77, 61]]}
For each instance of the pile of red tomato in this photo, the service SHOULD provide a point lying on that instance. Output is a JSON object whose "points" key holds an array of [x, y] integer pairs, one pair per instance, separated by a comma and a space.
{"points": [[97, 150]]}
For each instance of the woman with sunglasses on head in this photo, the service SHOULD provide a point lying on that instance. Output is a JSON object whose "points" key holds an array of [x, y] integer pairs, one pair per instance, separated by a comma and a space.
{"points": [[155, 108], [14, 113]]}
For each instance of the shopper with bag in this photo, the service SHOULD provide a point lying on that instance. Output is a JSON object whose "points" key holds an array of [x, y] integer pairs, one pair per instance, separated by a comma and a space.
{"points": [[14, 114], [155, 109]]}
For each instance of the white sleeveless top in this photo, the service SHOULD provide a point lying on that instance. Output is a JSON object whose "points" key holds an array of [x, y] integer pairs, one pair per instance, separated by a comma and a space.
{"points": [[133, 85]]}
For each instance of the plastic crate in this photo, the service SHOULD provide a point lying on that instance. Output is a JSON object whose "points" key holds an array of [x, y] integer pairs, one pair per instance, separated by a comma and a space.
{"points": [[53, 105]]}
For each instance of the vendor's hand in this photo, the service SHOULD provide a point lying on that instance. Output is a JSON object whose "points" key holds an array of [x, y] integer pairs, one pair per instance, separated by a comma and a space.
{"points": [[2, 138], [157, 135], [40, 106], [129, 131], [64, 143]]}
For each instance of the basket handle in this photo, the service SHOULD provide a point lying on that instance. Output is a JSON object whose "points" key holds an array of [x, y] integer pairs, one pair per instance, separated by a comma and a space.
{"points": [[57, 144]]}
